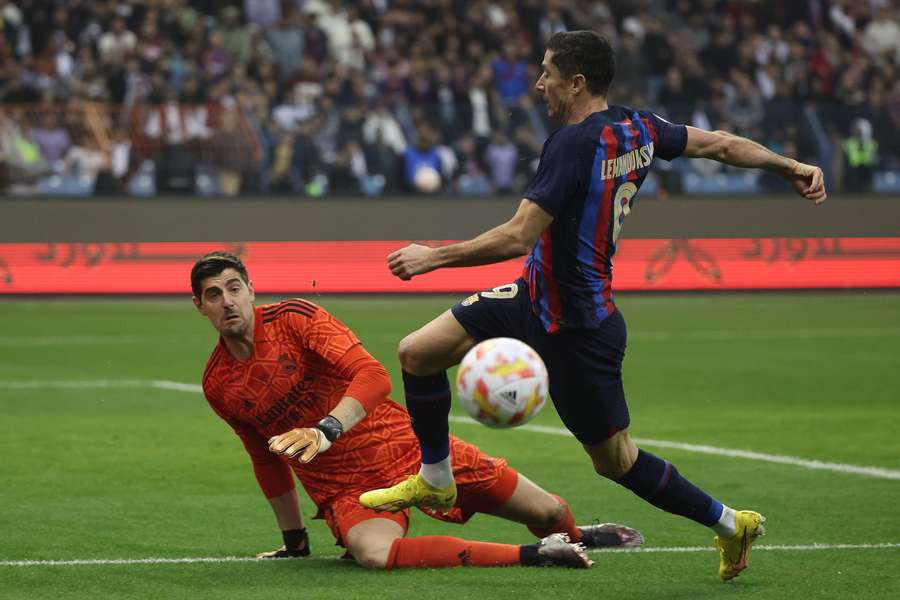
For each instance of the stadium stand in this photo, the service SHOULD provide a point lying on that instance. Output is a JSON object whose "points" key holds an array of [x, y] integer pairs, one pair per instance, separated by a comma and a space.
{"points": [[323, 97]]}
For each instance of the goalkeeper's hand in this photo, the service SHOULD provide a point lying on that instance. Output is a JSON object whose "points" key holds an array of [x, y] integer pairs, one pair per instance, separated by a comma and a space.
{"points": [[303, 444], [296, 544]]}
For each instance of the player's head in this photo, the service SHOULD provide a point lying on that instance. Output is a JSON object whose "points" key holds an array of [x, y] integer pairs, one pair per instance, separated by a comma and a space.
{"points": [[223, 293], [577, 65]]}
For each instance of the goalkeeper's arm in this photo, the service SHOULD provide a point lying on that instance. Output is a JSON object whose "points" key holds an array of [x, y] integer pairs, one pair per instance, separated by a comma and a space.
{"points": [[287, 512], [369, 386], [277, 483]]}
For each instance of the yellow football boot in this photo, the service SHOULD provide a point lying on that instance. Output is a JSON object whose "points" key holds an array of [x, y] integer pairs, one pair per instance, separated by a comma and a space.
{"points": [[734, 552], [412, 491]]}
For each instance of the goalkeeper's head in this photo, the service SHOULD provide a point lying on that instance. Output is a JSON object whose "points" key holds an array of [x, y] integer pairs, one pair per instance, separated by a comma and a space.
{"points": [[223, 293]]}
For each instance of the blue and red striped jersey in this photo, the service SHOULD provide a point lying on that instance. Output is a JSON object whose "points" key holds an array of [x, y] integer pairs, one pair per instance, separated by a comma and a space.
{"points": [[587, 178]]}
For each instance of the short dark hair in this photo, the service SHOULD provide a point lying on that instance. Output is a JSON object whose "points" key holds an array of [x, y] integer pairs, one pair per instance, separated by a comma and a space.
{"points": [[587, 53], [213, 263]]}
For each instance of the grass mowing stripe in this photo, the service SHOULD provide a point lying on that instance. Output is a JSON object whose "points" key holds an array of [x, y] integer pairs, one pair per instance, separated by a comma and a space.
{"points": [[230, 559], [764, 334], [95, 340], [876, 472], [649, 336]]}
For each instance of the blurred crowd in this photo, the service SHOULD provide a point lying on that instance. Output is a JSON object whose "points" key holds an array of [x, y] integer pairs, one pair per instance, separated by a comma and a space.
{"points": [[317, 97]]}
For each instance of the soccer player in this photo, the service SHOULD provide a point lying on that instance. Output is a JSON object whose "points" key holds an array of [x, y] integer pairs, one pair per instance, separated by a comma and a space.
{"points": [[568, 222], [304, 395]]}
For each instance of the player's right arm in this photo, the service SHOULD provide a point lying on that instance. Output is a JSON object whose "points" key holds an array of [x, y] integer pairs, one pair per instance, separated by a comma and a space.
{"points": [[560, 174], [509, 240], [806, 180], [369, 383]]}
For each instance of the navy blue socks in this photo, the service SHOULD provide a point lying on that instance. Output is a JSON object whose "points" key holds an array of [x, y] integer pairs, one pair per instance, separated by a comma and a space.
{"points": [[428, 403], [658, 482]]}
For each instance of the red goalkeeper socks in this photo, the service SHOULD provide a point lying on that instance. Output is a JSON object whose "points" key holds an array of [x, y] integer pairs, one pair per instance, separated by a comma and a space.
{"points": [[441, 551], [566, 524]]}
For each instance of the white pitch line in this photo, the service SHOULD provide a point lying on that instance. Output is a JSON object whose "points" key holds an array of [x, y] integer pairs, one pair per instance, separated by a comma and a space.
{"points": [[233, 559], [80, 384], [876, 472], [130, 561], [75, 384], [773, 547]]}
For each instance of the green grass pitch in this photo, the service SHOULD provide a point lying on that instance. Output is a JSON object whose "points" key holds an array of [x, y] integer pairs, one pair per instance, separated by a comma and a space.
{"points": [[117, 472]]}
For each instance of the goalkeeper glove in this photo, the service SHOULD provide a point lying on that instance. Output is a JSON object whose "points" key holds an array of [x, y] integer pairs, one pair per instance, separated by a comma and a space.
{"points": [[306, 443]]}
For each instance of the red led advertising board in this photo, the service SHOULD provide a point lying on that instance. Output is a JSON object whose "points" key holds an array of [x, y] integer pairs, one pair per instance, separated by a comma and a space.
{"points": [[361, 267]]}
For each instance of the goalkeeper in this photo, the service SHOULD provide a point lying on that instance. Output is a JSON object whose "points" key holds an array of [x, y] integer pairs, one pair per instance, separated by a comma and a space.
{"points": [[307, 399]]}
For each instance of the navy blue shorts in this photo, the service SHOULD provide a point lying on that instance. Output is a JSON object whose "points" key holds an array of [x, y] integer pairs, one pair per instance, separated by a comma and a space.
{"points": [[584, 365]]}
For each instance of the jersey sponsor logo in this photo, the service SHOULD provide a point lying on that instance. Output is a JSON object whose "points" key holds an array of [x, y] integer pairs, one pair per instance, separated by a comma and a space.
{"points": [[300, 395], [627, 163]]}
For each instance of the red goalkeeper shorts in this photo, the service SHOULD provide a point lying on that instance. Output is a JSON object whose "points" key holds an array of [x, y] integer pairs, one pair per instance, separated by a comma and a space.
{"points": [[483, 484]]}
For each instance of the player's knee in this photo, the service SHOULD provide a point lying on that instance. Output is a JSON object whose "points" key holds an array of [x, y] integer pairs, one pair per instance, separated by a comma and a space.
{"points": [[613, 466], [548, 514], [370, 556], [412, 359], [614, 457]]}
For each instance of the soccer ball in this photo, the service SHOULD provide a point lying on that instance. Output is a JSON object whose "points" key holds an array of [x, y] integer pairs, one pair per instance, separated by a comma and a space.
{"points": [[502, 383]]}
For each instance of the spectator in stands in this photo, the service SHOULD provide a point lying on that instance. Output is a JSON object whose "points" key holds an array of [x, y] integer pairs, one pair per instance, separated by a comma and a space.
{"points": [[382, 161], [20, 157], [215, 60], [477, 111], [421, 162], [229, 156], [467, 68], [315, 39], [502, 157], [264, 13], [51, 137], [237, 38], [381, 125], [349, 37], [881, 37], [744, 105], [511, 75], [85, 161], [473, 179], [721, 55], [175, 129], [677, 100], [118, 43], [860, 156], [286, 41], [631, 69]]}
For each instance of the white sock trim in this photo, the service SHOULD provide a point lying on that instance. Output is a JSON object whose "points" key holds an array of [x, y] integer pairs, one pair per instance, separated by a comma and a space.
{"points": [[439, 474], [727, 525]]}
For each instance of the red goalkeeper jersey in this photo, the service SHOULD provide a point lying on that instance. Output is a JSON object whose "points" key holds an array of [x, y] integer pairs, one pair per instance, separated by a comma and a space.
{"points": [[304, 361]]}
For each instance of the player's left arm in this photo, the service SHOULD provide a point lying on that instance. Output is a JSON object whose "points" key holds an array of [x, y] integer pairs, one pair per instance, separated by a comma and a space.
{"points": [[508, 240], [369, 386], [807, 180]]}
